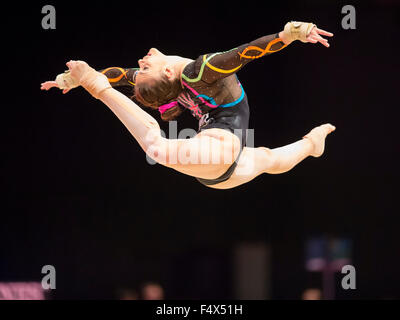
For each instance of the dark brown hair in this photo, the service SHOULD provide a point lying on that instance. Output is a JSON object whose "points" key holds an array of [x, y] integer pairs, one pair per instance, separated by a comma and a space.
{"points": [[156, 93]]}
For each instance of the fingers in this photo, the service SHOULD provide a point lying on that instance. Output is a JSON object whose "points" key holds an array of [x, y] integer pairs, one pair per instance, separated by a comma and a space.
{"points": [[317, 38], [52, 84], [326, 43], [312, 40], [324, 33], [48, 85], [323, 41]]}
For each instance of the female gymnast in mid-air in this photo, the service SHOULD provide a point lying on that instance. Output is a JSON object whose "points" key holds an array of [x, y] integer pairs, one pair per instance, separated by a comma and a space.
{"points": [[209, 88]]}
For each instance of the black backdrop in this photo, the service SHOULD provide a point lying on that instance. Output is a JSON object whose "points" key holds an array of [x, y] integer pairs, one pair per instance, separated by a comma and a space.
{"points": [[77, 192]]}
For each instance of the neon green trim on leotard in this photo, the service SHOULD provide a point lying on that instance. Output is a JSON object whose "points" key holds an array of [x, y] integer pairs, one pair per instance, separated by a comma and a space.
{"points": [[205, 62], [201, 70]]}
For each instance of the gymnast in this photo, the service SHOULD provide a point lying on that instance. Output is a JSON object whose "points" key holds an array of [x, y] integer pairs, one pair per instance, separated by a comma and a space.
{"points": [[217, 156]]}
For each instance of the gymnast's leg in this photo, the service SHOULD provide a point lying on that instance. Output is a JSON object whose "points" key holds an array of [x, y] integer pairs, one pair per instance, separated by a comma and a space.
{"points": [[255, 161]]}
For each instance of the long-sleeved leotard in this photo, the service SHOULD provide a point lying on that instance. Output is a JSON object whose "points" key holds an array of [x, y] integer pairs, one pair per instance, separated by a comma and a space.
{"points": [[214, 94], [120, 77], [212, 91], [208, 82], [211, 67], [210, 78]]}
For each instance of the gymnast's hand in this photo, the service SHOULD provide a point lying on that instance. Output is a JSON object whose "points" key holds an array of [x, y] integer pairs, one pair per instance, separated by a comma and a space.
{"points": [[78, 69], [67, 80], [51, 84], [314, 36]]}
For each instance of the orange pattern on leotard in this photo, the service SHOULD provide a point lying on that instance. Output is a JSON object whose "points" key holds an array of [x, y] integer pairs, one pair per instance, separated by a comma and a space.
{"points": [[263, 51], [116, 79]]}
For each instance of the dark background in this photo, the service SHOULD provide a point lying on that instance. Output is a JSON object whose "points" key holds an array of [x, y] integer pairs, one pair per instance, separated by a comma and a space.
{"points": [[77, 192]]}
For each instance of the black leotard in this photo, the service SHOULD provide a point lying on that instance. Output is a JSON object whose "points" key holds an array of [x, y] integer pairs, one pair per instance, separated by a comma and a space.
{"points": [[212, 92]]}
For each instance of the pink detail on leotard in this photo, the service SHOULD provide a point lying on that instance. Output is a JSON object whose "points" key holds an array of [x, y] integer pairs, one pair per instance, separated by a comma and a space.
{"points": [[194, 108], [167, 106], [197, 94], [187, 102]]}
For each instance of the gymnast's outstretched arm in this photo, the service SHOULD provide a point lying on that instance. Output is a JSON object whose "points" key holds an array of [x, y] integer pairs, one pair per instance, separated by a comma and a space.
{"points": [[211, 67], [117, 77]]}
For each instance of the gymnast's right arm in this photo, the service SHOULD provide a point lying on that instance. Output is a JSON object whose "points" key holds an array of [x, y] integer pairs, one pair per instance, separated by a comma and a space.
{"points": [[117, 77]]}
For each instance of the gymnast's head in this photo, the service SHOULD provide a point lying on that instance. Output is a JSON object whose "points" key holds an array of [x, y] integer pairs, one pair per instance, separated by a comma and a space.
{"points": [[157, 83]]}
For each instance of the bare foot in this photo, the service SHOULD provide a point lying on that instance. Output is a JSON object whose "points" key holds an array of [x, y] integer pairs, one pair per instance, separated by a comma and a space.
{"points": [[317, 136]]}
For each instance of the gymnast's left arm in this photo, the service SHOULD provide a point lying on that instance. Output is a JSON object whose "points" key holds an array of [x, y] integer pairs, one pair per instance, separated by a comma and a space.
{"points": [[212, 67]]}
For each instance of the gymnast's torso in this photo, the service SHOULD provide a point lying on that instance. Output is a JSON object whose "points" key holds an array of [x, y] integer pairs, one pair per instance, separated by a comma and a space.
{"points": [[215, 102]]}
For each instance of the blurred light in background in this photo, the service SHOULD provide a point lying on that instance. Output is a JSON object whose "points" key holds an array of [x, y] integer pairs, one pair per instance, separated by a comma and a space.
{"points": [[21, 291], [327, 255], [252, 269]]}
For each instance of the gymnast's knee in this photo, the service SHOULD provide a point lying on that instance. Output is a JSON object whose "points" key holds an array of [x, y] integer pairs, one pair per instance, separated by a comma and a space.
{"points": [[268, 159]]}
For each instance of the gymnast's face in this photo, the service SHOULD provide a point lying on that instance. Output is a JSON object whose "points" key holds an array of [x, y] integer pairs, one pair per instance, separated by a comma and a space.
{"points": [[153, 66]]}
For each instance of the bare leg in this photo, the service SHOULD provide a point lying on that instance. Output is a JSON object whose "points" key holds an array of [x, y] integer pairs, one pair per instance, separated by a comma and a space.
{"points": [[255, 161], [183, 155], [146, 131]]}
